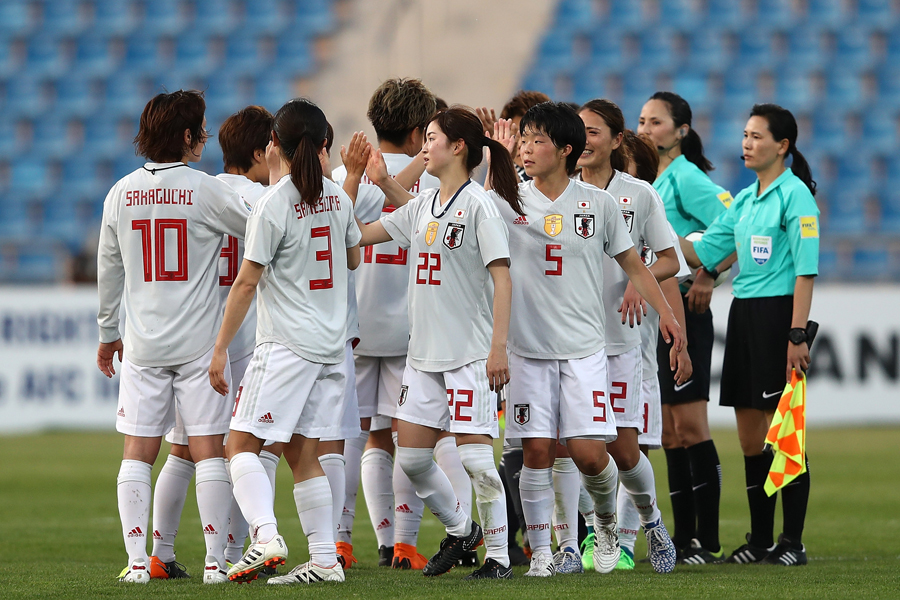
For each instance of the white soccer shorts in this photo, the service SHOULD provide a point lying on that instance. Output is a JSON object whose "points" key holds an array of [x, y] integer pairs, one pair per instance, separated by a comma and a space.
{"points": [[348, 426], [378, 381], [625, 374], [282, 394], [150, 398], [458, 401], [564, 398], [650, 434]]}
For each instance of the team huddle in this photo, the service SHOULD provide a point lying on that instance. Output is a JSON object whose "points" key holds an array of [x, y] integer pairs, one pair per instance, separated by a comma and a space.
{"points": [[370, 323]]}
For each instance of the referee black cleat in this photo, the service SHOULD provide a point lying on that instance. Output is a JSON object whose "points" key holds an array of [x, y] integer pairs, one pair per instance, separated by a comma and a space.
{"points": [[786, 554], [385, 556], [452, 549], [491, 569], [748, 554]]}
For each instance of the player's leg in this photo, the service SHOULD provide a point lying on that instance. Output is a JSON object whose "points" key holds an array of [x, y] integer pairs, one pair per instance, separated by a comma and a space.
{"points": [[238, 528], [169, 495], [566, 488]]}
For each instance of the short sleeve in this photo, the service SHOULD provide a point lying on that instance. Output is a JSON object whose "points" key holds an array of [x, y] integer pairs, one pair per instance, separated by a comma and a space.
{"points": [[369, 203], [232, 219], [263, 239], [616, 239], [493, 239], [802, 225], [656, 229], [718, 239], [399, 223], [703, 198], [353, 234]]}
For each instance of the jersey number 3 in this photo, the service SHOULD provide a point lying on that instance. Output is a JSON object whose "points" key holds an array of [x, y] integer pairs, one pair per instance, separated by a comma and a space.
{"points": [[153, 235]]}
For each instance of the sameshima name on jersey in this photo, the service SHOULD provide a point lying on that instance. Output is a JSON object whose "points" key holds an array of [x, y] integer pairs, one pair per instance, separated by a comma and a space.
{"points": [[159, 196], [325, 204]]}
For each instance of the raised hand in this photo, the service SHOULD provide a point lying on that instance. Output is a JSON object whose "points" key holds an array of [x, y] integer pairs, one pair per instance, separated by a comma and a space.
{"points": [[376, 168], [506, 132], [488, 118], [355, 155]]}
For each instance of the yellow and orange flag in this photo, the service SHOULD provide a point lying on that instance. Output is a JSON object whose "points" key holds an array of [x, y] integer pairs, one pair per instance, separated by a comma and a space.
{"points": [[787, 435]]}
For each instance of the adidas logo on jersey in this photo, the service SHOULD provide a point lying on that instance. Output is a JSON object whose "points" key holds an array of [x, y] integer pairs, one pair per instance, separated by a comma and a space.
{"points": [[136, 532], [520, 220], [266, 418], [157, 535], [210, 530], [403, 508], [121, 412], [384, 523]]}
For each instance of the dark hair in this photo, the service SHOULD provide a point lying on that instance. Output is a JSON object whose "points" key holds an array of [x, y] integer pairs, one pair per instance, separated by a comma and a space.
{"points": [[642, 153], [440, 104], [561, 124], [691, 145], [612, 115], [398, 106], [329, 139], [242, 134], [519, 104], [461, 123], [160, 137], [302, 130], [783, 126]]}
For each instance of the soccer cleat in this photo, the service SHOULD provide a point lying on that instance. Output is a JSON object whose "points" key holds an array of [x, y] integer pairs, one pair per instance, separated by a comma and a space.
{"points": [[699, 555], [385, 556], [469, 559], [491, 569], [660, 547], [786, 554], [587, 552], [451, 550], [266, 572], [541, 566], [167, 570], [517, 557], [213, 572], [136, 572], [345, 554], [272, 553], [567, 560], [309, 573], [406, 557], [626, 560], [606, 544], [748, 554]]}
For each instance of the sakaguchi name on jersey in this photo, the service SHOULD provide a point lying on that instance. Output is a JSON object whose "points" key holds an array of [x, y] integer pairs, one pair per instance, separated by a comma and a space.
{"points": [[325, 204], [159, 196]]}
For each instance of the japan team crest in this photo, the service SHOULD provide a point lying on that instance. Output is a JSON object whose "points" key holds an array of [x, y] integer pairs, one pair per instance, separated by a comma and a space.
{"points": [[522, 413], [584, 225], [431, 232], [629, 219], [453, 236], [553, 225], [404, 389]]}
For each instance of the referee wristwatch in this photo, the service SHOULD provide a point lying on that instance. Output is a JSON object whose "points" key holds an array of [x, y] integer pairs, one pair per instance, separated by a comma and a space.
{"points": [[714, 273], [798, 336]]}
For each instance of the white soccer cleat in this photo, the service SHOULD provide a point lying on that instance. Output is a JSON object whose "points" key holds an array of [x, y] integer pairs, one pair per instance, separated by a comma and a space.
{"points": [[541, 566], [309, 573], [136, 572], [606, 544], [213, 572], [271, 554]]}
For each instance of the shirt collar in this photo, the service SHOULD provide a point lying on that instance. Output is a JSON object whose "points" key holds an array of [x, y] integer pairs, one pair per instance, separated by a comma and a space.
{"points": [[775, 184]]}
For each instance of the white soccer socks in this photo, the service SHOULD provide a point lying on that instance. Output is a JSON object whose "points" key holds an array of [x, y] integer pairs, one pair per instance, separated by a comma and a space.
{"points": [[376, 472], [602, 489], [536, 490], [586, 508], [315, 506], [253, 492], [490, 498], [409, 507], [270, 464], [214, 504], [133, 492], [353, 451], [168, 503], [447, 458], [628, 519], [433, 487], [333, 465], [641, 486], [566, 487]]}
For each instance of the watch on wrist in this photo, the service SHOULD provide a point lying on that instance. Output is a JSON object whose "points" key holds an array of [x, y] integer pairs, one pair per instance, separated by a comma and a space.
{"points": [[712, 273], [798, 336]]}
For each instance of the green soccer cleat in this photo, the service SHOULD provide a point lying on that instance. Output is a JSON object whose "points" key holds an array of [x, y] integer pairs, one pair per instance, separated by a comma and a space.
{"points": [[587, 552], [626, 561]]}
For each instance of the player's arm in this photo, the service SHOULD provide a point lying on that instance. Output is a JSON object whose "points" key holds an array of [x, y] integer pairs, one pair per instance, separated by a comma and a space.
{"points": [[647, 287], [355, 156], [410, 174], [680, 362], [377, 172], [633, 306], [111, 286], [239, 299], [497, 362], [373, 233], [798, 354]]}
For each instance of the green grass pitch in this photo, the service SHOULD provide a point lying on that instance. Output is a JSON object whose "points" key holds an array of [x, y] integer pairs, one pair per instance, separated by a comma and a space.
{"points": [[60, 535]]}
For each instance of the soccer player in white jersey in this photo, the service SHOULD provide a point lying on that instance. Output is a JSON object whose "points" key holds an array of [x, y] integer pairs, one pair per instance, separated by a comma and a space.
{"points": [[243, 138], [459, 314], [160, 239], [558, 363], [297, 233]]}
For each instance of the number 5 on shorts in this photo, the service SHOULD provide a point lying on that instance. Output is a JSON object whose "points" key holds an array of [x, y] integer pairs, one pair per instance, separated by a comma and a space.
{"points": [[601, 405]]}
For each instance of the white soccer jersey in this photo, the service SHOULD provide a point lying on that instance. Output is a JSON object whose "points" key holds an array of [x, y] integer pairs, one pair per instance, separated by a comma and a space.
{"points": [[557, 269], [160, 239], [450, 289], [302, 296], [645, 218], [230, 263], [382, 277]]}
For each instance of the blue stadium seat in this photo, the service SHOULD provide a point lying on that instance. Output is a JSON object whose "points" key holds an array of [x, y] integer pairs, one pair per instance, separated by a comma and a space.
{"points": [[8, 142], [142, 54], [14, 225], [573, 14], [63, 17], [890, 209], [889, 85], [739, 90], [852, 49], [557, 50], [880, 130], [264, 17], [294, 56], [26, 96], [315, 17], [51, 138], [273, 92], [829, 265], [679, 14], [193, 56], [695, 85], [825, 13], [45, 57], [589, 84], [828, 129], [805, 47], [163, 17], [115, 17], [38, 265], [127, 92], [775, 12], [707, 49], [658, 49], [29, 176], [844, 88], [846, 208], [724, 14], [539, 80], [97, 55], [76, 96], [871, 263], [794, 89], [728, 130], [79, 174], [876, 13], [214, 17], [16, 17], [126, 163], [100, 137], [626, 15], [755, 48], [612, 51]]}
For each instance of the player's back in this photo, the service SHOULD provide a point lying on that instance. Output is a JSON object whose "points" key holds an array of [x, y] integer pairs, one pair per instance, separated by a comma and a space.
{"points": [[162, 227]]}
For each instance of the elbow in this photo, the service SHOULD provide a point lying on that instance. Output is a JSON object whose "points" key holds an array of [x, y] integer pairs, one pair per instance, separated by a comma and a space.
{"points": [[353, 258]]}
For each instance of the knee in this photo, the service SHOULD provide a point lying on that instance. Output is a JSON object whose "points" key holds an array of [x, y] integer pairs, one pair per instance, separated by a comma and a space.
{"points": [[593, 464], [415, 461], [690, 434]]}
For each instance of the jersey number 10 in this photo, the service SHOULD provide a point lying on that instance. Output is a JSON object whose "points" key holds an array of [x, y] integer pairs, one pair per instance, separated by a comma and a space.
{"points": [[156, 231]]}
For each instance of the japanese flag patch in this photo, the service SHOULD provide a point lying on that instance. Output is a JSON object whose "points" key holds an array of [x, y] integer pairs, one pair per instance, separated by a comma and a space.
{"points": [[624, 199], [459, 214]]}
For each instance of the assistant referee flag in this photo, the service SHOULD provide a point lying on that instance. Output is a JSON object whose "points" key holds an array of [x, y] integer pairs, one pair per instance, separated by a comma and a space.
{"points": [[787, 435]]}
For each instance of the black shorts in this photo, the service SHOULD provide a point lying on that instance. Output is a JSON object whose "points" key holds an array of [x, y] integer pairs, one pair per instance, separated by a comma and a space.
{"points": [[756, 352], [700, 345]]}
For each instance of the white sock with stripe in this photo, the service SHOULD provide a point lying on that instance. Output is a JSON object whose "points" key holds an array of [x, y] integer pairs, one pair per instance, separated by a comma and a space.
{"points": [[433, 487], [566, 486], [628, 519], [446, 455], [602, 488], [168, 503], [409, 507], [134, 496], [253, 493], [315, 506], [536, 490], [333, 465], [376, 472], [353, 451], [641, 486], [214, 504], [490, 498]]}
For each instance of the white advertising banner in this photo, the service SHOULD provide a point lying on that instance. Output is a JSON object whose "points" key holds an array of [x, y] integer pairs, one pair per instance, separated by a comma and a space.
{"points": [[49, 377]]}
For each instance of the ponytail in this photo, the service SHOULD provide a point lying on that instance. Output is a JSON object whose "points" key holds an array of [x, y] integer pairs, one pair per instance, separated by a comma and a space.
{"points": [[504, 180], [691, 145], [302, 131], [306, 171], [800, 168], [783, 126], [692, 149]]}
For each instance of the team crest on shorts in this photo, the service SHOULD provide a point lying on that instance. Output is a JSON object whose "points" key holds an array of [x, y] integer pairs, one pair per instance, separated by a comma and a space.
{"points": [[404, 389], [761, 248], [431, 232], [522, 413], [453, 236], [629, 219], [584, 225], [553, 225]]}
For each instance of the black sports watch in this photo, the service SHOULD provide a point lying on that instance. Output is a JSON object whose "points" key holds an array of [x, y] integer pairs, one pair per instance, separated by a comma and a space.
{"points": [[712, 273], [798, 336]]}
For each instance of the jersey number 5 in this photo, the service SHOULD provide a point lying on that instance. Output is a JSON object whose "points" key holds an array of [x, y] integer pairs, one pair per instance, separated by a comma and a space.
{"points": [[430, 263], [554, 259], [153, 235]]}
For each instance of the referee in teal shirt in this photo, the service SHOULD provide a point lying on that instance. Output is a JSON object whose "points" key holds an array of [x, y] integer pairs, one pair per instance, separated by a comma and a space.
{"points": [[774, 227]]}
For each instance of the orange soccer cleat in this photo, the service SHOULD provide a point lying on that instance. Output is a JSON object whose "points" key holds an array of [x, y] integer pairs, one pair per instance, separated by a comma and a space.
{"points": [[345, 554], [406, 557], [170, 570]]}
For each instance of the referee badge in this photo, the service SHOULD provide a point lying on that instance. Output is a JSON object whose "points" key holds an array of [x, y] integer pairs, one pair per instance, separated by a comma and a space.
{"points": [[453, 236], [629, 219], [404, 389], [553, 225], [761, 248], [431, 232], [584, 225], [522, 413]]}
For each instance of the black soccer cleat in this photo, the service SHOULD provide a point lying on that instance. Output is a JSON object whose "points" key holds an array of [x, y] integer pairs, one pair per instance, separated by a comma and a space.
{"points": [[748, 554], [385, 556], [491, 569], [786, 554], [451, 550], [517, 557], [469, 559]]}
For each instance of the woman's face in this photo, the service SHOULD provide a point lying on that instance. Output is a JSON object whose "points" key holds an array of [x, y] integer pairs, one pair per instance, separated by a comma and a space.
{"points": [[760, 149], [539, 155], [600, 141], [438, 151], [656, 124]]}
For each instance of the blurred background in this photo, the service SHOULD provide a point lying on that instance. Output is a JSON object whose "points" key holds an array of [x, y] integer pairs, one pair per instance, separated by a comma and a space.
{"points": [[75, 75]]}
